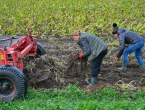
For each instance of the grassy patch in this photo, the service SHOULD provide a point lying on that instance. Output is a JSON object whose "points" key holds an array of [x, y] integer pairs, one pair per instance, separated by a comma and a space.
{"points": [[62, 17], [72, 98]]}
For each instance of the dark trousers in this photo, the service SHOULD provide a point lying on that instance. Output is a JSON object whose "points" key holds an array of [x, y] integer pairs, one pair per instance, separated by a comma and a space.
{"points": [[96, 63]]}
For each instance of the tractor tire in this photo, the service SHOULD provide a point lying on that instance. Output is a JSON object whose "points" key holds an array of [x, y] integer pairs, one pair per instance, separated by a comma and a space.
{"points": [[26, 82], [40, 49], [13, 84]]}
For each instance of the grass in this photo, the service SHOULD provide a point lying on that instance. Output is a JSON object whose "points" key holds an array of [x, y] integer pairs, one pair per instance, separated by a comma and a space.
{"points": [[62, 17], [72, 98]]}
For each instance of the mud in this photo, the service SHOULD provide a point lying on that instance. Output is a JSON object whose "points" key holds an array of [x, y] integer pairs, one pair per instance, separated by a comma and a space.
{"points": [[62, 65]]}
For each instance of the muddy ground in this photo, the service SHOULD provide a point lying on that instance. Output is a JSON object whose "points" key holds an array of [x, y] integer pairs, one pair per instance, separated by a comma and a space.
{"points": [[61, 66]]}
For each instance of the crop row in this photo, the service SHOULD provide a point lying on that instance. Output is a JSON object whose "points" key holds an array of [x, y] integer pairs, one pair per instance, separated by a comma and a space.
{"points": [[62, 17]]}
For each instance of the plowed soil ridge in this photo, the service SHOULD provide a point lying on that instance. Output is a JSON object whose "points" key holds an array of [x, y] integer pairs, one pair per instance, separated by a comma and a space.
{"points": [[61, 50]]}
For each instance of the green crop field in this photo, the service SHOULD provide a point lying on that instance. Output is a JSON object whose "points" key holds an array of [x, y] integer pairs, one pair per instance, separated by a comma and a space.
{"points": [[61, 17]]}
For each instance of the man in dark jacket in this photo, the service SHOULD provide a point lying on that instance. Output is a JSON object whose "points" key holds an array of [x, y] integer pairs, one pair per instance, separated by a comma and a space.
{"points": [[135, 41], [94, 48]]}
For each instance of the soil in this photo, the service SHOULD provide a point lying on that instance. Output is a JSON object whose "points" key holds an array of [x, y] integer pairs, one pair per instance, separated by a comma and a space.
{"points": [[61, 67]]}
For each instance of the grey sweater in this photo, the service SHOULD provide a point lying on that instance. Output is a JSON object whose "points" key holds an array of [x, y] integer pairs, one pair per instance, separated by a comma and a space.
{"points": [[127, 37], [95, 43]]}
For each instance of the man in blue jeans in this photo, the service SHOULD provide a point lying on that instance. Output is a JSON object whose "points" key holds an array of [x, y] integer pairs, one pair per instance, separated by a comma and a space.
{"points": [[135, 41], [93, 48]]}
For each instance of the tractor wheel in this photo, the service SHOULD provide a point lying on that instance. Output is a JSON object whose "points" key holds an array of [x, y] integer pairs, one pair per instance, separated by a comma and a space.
{"points": [[13, 85], [40, 49], [26, 82]]}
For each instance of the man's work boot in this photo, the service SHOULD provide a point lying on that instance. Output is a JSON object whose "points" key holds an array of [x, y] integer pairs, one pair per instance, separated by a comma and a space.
{"points": [[142, 66], [93, 81], [124, 67]]}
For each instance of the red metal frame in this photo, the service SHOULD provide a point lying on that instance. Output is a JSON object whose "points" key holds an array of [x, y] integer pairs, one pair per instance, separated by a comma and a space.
{"points": [[13, 55]]}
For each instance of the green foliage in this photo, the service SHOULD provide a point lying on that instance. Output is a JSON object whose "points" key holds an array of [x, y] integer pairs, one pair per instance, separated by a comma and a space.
{"points": [[72, 98], [114, 43], [63, 16]]}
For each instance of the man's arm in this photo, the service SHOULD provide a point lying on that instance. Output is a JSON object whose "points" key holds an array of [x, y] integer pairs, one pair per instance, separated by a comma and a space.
{"points": [[87, 50], [121, 47]]}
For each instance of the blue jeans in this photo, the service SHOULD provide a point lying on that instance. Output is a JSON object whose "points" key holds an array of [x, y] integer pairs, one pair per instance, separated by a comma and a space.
{"points": [[137, 48]]}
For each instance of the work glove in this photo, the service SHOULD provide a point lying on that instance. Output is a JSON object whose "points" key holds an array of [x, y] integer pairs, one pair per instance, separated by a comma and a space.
{"points": [[116, 58], [80, 55]]}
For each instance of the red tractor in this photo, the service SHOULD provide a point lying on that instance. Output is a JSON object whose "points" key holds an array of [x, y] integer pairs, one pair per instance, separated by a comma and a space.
{"points": [[13, 83]]}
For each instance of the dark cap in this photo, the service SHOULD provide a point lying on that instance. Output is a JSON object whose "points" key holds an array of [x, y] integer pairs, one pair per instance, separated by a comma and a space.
{"points": [[115, 29]]}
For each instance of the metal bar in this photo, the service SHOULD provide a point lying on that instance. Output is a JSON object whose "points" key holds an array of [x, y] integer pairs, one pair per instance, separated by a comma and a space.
{"points": [[26, 50], [8, 38], [18, 43]]}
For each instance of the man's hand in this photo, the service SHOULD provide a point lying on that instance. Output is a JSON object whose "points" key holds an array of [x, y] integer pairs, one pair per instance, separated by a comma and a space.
{"points": [[80, 55], [116, 58]]}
